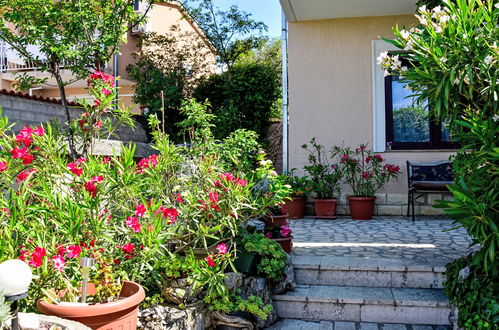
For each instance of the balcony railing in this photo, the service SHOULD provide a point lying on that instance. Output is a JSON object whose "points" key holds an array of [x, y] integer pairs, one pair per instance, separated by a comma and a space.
{"points": [[11, 61]]}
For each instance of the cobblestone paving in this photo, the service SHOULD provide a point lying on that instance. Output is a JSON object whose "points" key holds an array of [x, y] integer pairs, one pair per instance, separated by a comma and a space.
{"points": [[382, 237], [326, 325]]}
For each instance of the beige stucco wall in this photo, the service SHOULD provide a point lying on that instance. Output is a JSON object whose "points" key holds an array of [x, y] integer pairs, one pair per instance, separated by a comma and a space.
{"points": [[330, 87]]}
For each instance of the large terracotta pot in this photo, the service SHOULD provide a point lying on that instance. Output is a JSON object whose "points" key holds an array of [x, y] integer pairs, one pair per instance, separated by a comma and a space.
{"points": [[325, 208], [296, 207], [361, 208], [286, 243], [276, 220], [120, 314]]}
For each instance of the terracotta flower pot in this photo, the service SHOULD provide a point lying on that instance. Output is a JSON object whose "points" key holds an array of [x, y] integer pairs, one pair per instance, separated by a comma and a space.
{"points": [[361, 208], [286, 243], [120, 314], [276, 220], [296, 207], [325, 208]]}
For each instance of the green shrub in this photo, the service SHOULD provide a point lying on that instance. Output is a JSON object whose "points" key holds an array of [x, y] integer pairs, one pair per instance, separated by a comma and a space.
{"points": [[475, 293], [241, 97], [272, 257]]}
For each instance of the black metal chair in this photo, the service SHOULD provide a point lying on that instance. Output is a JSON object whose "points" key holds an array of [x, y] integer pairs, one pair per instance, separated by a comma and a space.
{"points": [[425, 178]]}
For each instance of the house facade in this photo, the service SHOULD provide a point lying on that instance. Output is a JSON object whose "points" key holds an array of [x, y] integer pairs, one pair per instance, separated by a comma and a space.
{"points": [[338, 93], [162, 19]]}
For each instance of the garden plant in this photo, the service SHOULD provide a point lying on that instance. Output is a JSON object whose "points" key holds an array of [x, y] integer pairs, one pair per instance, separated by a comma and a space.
{"points": [[454, 60], [136, 219]]}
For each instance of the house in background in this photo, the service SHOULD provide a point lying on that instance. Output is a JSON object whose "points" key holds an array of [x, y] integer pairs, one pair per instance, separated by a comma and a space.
{"points": [[339, 94], [161, 18]]}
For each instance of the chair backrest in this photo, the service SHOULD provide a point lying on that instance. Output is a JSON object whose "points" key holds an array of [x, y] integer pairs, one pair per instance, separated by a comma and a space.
{"points": [[430, 171]]}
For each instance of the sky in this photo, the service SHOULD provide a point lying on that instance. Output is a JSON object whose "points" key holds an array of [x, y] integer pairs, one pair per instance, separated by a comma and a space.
{"points": [[267, 11]]}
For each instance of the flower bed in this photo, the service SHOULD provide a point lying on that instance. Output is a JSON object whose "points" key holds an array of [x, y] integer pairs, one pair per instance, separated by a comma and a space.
{"points": [[132, 218]]}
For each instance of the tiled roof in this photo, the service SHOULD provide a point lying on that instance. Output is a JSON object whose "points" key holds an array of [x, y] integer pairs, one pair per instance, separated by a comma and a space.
{"points": [[36, 98]]}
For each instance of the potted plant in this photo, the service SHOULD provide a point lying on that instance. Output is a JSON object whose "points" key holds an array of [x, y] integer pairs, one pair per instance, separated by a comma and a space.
{"points": [[300, 187], [325, 179], [365, 173], [281, 235], [276, 215]]}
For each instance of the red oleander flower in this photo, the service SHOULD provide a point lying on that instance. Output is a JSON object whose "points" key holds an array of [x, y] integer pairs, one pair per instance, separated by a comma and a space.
{"points": [[179, 199], [169, 213], [37, 257], [74, 251], [368, 159], [214, 197], [18, 153], [3, 166], [222, 248], [242, 182], [140, 210], [91, 188], [379, 158], [106, 91], [210, 261], [127, 248], [73, 167], [27, 159]]}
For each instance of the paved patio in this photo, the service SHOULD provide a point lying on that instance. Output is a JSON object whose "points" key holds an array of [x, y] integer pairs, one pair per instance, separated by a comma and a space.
{"points": [[427, 239]]}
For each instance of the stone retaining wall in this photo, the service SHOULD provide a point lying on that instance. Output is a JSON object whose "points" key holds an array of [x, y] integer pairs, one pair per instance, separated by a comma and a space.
{"points": [[393, 204]]}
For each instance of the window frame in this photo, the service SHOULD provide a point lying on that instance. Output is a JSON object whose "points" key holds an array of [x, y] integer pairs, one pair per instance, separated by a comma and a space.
{"points": [[435, 128]]}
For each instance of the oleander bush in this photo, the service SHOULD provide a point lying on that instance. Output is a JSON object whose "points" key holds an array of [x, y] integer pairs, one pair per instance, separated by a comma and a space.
{"points": [[454, 56], [133, 218]]}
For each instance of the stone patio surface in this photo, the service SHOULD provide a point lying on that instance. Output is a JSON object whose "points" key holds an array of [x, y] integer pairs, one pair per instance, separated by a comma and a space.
{"points": [[426, 239], [328, 325]]}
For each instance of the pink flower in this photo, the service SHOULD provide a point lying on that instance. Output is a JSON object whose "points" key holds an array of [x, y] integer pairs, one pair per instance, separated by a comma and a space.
{"points": [[368, 159], [3, 166], [133, 223], [18, 153], [24, 175], [169, 213], [222, 248], [213, 197], [285, 231], [242, 182], [344, 158], [378, 157], [5, 211], [97, 178], [59, 263], [366, 175], [106, 160], [39, 131], [268, 234], [362, 147], [140, 210], [148, 162], [106, 91], [74, 251], [81, 160], [210, 261], [227, 176], [61, 250], [98, 124]]}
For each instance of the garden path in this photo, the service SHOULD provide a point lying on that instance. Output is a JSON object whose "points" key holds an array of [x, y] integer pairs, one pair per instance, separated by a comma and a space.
{"points": [[426, 240]]}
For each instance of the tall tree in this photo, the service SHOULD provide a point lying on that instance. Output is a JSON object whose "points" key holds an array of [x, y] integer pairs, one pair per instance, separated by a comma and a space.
{"points": [[73, 35], [232, 32]]}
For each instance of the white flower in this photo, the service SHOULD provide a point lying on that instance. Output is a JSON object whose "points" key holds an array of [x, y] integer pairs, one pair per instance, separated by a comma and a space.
{"points": [[436, 11], [386, 73], [409, 45], [422, 9], [496, 117], [496, 5], [422, 20], [466, 79], [456, 81], [464, 273], [443, 59], [489, 60], [438, 28], [404, 69], [444, 18], [405, 34], [382, 58]]}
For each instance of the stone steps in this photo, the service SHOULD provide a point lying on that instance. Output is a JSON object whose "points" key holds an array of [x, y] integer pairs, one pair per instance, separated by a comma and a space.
{"points": [[364, 304], [368, 272], [292, 324]]}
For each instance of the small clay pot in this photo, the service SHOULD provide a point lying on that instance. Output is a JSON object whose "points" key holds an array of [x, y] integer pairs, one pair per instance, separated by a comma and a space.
{"points": [[276, 220], [286, 243], [120, 314], [296, 207], [325, 208], [361, 208]]}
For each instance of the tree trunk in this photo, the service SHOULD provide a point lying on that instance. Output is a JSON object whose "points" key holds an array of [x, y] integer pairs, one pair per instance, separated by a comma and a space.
{"points": [[64, 102]]}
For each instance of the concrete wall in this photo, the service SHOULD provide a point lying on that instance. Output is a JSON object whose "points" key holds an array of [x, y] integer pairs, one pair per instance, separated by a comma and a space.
{"points": [[330, 88], [31, 112]]}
